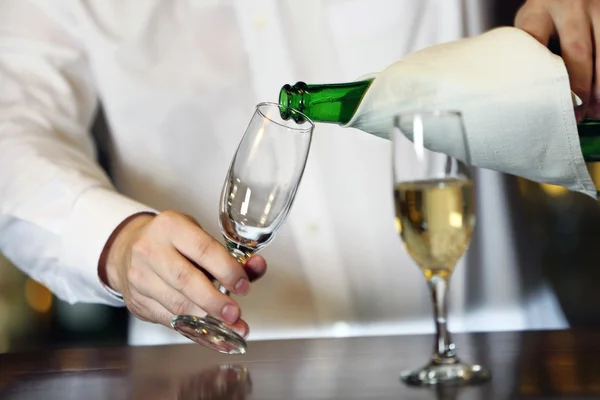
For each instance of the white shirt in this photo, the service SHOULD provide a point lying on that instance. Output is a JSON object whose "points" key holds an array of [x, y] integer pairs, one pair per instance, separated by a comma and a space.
{"points": [[178, 80]]}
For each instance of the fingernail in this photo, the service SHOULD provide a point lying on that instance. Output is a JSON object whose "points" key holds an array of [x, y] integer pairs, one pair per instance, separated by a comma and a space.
{"points": [[242, 286], [230, 313], [242, 332], [255, 268]]}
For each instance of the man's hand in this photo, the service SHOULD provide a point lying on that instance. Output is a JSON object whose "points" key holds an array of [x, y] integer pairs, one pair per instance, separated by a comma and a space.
{"points": [[152, 261], [577, 24]]}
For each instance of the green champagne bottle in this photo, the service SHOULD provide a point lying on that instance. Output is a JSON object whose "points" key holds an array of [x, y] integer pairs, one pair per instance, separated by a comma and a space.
{"points": [[336, 103]]}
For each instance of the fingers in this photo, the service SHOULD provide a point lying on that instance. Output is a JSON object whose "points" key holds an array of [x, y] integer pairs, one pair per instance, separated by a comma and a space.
{"points": [[152, 286], [255, 267], [572, 21], [574, 30], [241, 328], [182, 276], [153, 300], [534, 19], [169, 264], [204, 250], [149, 310]]}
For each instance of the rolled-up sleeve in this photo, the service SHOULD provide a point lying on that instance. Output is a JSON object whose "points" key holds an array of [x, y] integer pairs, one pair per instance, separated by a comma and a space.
{"points": [[57, 205]]}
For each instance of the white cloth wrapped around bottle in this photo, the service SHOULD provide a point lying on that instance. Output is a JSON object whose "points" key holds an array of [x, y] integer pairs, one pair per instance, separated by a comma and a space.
{"points": [[514, 96]]}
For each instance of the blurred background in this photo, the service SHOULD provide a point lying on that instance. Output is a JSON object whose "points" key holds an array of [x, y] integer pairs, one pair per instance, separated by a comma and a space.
{"points": [[557, 234]]}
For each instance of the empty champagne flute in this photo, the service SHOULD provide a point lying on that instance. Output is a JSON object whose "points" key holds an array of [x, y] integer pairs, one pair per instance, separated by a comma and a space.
{"points": [[435, 217], [257, 195]]}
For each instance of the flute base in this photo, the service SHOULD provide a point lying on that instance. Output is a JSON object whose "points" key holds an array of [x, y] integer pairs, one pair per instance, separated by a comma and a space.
{"points": [[446, 374], [209, 332]]}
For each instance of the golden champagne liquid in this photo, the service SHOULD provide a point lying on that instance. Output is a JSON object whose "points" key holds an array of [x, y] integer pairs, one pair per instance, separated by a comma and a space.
{"points": [[435, 219]]}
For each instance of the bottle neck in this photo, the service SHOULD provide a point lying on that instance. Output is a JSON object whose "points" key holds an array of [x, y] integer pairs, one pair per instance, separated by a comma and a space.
{"points": [[332, 103], [336, 103]]}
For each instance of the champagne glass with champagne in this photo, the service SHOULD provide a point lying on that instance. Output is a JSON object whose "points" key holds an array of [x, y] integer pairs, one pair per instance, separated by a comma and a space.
{"points": [[255, 201], [435, 217]]}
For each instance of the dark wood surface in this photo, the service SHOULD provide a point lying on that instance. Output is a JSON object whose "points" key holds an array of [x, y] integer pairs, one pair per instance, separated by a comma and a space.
{"points": [[525, 365]]}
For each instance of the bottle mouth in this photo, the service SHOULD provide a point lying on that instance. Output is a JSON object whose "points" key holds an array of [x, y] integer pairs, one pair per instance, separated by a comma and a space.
{"points": [[288, 111], [285, 100], [286, 114]]}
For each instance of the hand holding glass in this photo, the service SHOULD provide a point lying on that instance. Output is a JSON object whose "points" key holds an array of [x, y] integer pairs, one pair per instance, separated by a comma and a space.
{"points": [[255, 201]]}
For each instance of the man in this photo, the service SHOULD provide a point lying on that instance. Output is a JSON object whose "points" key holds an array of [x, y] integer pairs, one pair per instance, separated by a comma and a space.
{"points": [[178, 81]]}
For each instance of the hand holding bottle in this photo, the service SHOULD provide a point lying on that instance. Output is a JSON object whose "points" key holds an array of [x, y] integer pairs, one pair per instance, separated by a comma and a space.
{"points": [[577, 25], [152, 261]]}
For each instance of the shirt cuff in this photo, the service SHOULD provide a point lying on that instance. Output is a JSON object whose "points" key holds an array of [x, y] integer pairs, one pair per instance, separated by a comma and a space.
{"points": [[96, 214]]}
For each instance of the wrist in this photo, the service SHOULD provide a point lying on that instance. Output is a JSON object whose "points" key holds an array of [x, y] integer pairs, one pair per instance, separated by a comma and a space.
{"points": [[113, 256]]}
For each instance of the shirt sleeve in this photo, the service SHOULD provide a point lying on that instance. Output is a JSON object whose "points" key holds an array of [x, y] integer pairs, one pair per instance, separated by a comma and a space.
{"points": [[57, 206]]}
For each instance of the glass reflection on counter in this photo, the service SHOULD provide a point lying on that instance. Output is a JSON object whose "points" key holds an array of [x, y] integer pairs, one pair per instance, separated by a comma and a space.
{"points": [[224, 381]]}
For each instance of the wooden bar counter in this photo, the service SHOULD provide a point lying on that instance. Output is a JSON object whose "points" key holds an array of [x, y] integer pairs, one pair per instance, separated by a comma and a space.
{"points": [[524, 365]]}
